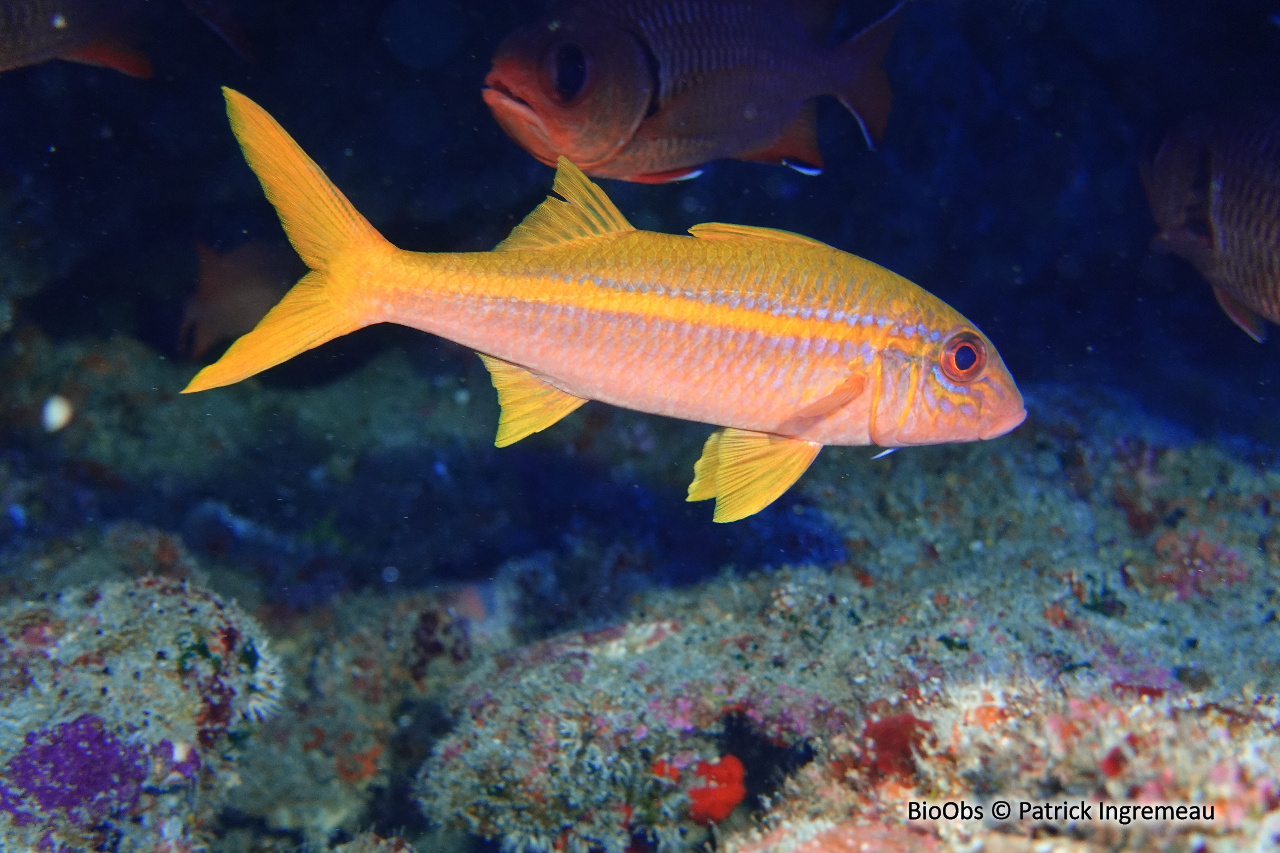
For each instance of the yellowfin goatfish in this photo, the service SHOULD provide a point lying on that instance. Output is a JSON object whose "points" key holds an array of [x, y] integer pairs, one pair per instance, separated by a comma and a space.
{"points": [[785, 342]]}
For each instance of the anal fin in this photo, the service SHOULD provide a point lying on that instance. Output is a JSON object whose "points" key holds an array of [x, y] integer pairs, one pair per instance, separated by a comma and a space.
{"points": [[529, 404], [746, 471], [1242, 315], [109, 54], [686, 173], [797, 147]]}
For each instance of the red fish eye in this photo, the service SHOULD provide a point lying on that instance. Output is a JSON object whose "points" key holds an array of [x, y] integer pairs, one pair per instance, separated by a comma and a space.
{"points": [[963, 357], [566, 69]]}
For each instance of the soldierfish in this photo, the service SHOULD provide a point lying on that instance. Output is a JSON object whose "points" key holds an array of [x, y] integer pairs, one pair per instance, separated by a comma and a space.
{"points": [[33, 31], [650, 90], [785, 342], [235, 290], [1214, 188]]}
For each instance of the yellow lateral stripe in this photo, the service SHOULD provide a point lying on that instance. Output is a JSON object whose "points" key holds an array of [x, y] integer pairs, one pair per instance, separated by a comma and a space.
{"points": [[507, 286], [685, 312]]}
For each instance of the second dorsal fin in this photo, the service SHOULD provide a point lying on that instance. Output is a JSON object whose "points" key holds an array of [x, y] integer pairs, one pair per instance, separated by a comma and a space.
{"points": [[729, 231], [584, 212]]}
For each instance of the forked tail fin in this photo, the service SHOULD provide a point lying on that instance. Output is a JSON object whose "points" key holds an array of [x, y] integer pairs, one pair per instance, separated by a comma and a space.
{"points": [[325, 230], [864, 89]]}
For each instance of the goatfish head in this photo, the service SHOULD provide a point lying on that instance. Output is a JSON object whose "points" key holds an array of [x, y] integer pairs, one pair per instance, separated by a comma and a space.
{"points": [[574, 87], [953, 387]]}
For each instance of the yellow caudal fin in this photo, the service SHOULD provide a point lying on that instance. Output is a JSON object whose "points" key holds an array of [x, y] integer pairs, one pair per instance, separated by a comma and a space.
{"points": [[325, 230], [746, 471]]}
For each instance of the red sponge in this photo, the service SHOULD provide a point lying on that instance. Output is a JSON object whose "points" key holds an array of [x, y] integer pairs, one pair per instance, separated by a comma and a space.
{"points": [[721, 791]]}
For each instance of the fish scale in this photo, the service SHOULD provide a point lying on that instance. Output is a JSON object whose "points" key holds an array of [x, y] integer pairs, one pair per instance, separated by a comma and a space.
{"points": [[1249, 240], [1214, 189], [786, 343]]}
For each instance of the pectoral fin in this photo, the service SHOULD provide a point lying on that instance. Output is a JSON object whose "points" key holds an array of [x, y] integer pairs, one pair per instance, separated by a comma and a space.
{"points": [[839, 397], [529, 404], [110, 54], [746, 471], [834, 400]]}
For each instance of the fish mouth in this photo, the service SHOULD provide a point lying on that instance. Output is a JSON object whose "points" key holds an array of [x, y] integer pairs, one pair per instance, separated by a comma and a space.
{"points": [[521, 122], [495, 83], [498, 94], [1006, 422]]}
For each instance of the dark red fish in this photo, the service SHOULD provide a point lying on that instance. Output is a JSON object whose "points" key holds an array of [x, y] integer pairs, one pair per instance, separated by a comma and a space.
{"points": [[1214, 188], [33, 31], [650, 90], [237, 288]]}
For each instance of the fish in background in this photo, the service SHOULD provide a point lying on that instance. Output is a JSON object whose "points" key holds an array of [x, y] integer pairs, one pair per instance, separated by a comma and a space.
{"points": [[651, 90], [1214, 188], [785, 342], [236, 289], [34, 31]]}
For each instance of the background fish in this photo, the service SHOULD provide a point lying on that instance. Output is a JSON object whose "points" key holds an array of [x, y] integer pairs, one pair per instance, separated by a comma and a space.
{"points": [[784, 341], [649, 90], [1214, 188], [33, 31], [236, 289]]}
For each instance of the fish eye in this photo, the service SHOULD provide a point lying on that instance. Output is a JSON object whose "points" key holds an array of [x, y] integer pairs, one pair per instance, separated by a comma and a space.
{"points": [[566, 69], [963, 357]]}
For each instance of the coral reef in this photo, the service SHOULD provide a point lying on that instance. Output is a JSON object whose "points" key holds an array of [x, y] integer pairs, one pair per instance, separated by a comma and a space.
{"points": [[988, 635], [601, 739], [126, 705], [543, 646], [365, 681]]}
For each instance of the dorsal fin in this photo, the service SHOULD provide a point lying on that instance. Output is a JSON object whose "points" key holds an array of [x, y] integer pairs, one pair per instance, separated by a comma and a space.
{"points": [[729, 231], [815, 15], [585, 212]]}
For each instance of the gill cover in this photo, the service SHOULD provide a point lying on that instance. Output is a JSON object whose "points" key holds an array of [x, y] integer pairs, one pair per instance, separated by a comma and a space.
{"points": [[954, 389]]}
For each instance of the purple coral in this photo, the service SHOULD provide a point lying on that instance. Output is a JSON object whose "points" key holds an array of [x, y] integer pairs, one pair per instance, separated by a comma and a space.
{"points": [[77, 770]]}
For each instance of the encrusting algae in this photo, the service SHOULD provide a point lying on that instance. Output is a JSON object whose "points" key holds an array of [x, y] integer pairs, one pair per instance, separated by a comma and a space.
{"points": [[786, 342]]}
